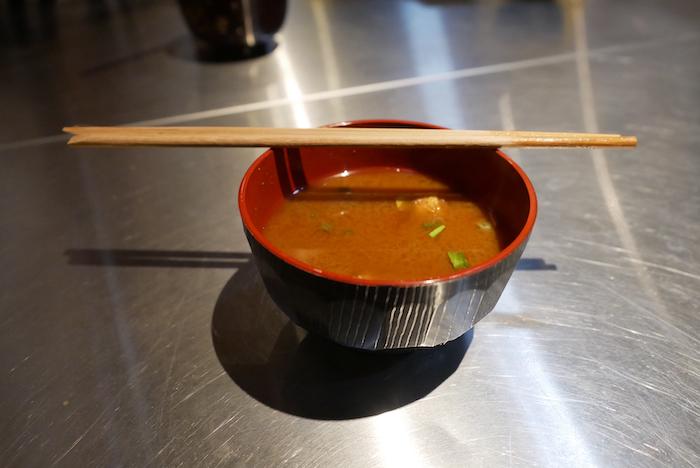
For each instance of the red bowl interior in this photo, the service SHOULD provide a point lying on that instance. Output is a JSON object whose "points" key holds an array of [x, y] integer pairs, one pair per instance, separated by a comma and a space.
{"points": [[485, 175]]}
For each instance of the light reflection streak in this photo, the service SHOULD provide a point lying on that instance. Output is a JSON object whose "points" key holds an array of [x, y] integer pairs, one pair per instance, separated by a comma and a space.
{"points": [[534, 374], [505, 108], [508, 303], [275, 115], [590, 123], [291, 87], [441, 103], [520, 358], [395, 443], [328, 54], [248, 23], [551, 410], [600, 165], [128, 356]]}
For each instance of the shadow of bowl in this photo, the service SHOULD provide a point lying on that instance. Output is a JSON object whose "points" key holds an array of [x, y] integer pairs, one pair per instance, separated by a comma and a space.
{"points": [[283, 367]]}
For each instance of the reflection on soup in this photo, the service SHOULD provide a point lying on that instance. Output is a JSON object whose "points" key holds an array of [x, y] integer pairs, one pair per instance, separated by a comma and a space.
{"points": [[383, 224]]}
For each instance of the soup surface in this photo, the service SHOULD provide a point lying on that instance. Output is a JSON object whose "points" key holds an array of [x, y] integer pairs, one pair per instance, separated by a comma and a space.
{"points": [[383, 224]]}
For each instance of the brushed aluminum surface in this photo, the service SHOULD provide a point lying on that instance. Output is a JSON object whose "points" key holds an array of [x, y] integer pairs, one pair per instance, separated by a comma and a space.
{"points": [[135, 331]]}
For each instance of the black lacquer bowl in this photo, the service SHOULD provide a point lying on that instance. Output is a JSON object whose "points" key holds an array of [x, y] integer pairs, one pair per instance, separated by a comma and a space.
{"points": [[379, 315]]}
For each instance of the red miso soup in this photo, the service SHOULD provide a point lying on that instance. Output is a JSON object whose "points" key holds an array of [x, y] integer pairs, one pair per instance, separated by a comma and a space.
{"points": [[384, 224]]}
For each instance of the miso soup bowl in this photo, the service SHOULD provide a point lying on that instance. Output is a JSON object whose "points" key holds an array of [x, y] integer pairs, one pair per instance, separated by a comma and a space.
{"points": [[382, 315]]}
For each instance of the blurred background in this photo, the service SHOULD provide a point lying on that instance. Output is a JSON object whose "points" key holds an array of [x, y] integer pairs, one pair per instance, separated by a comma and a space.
{"points": [[119, 62], [117, 262]]}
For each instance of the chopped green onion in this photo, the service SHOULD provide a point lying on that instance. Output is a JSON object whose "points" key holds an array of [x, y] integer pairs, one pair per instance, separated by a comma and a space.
{"points": [[458, 260], [327, 227], [485, 225], [435, 232], [432, 224]]}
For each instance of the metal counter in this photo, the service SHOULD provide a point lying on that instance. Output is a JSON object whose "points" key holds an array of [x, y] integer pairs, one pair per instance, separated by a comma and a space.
{"points": [[134, 330]]}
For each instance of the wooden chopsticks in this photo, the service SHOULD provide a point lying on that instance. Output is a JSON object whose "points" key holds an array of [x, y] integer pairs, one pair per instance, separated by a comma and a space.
{"points": [[359, 137]]}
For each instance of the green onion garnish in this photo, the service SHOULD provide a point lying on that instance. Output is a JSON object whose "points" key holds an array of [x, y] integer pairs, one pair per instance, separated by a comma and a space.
{"points": [[485, 225], [458, 260], [431, 224], [435, 232], [327, 227]]}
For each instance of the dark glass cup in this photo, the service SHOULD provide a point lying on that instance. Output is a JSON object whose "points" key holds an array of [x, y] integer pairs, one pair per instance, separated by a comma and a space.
{"points": [[233, 29]]}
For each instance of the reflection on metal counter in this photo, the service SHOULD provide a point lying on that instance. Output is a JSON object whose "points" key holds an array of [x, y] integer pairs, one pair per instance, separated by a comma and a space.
{"points": [[135, 331]]}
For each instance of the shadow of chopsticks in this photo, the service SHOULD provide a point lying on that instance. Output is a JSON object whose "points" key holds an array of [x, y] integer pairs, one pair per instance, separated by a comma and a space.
{"points": [[534, 264], [201, 259], [156, 258]]}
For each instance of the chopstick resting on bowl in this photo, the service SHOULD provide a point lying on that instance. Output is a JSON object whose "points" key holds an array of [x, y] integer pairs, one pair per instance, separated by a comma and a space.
{"points": [[358, 137]]}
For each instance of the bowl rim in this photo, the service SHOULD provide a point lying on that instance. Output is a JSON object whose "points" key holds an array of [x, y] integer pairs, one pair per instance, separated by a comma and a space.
{"points": [[501, 256]]}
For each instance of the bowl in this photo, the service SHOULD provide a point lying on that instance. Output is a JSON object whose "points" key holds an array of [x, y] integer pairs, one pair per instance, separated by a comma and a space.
{"points": [[387, 315]]}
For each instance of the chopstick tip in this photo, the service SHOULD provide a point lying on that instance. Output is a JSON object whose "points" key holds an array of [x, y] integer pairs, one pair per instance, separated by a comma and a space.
{"points": [[630, 140]]}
